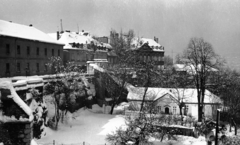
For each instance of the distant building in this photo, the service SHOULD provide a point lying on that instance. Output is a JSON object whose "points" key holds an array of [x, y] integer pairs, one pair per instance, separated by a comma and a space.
{"points": [[24, 50], [103, 39], [151, 51], [80, 47]]}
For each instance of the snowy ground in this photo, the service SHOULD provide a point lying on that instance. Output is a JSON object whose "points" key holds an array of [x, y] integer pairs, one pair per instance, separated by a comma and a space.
{"points": [[92, 125], [84, 126]]}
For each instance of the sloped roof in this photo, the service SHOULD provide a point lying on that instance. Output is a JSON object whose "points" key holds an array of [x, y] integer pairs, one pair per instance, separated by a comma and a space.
{"points": [[73, 37], [188, 95], [25, 32], [70, 37], [138, 43], [150, 42], [191, 68]]}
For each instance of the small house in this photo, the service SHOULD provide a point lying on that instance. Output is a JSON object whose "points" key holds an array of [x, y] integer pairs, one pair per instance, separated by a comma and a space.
{"points": [[169, 100]]}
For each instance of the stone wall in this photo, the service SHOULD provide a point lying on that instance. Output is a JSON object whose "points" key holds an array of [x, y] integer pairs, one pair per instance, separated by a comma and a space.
{"points": [[20, 133]]}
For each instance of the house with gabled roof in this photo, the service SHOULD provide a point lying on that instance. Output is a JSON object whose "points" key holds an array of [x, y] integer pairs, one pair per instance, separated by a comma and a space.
{"points": [[167, 100]]}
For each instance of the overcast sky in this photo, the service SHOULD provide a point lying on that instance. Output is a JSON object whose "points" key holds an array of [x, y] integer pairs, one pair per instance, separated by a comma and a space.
{"points": [[174, 22]]}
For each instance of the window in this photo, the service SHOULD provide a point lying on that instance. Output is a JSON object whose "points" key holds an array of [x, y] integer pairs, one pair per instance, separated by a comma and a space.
{"points": [[37, 67], [186, 110], [7, 67], [174, 110], [159, 109], [52, 52], [37, 50], [18, 67], [45, 51], [18, 50], [7, 49], [58, 52], [28, 50], [46, 68], [28, 66]]}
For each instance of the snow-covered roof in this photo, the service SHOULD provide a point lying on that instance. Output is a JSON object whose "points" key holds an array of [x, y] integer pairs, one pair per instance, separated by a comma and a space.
{"points": [[68, 38], [72, 37], [191, 68], [14, 96], [25, 32], [150, 42], [107, 45], [138, 42], [95, 66], [26, 83], [187, 95]]}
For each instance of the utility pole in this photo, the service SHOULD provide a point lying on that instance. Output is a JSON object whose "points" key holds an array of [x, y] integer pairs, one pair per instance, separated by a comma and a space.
{"points": [[217, 128]]}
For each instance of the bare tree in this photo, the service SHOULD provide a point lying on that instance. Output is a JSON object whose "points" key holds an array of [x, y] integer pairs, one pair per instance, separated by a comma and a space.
{"points": [[63, 86], [178, 82], [226, 84], [140, 127], [201, 59]]}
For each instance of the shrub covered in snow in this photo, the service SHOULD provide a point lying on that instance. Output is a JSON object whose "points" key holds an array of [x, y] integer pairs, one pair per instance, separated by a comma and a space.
{"points": [[230, 140]]}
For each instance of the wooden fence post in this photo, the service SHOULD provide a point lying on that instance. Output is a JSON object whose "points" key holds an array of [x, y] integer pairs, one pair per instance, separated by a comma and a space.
{"points": [[216, 135]]}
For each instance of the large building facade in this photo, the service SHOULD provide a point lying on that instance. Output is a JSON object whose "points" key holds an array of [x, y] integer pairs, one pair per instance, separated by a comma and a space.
{"points": [[25, 50], [151, 53]]}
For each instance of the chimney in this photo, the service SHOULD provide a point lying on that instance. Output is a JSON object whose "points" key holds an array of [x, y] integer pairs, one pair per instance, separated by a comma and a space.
{"points": [[58, 35], [30, 25]]}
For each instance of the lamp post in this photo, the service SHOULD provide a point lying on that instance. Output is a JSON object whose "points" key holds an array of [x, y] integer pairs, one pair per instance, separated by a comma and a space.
{"points": [[217, 128]]}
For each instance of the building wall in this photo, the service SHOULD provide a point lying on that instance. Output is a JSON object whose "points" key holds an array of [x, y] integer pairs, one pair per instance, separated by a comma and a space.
{"points": [[81, 56], [147, 54], [190, 108], [103, 39], [14, 54]]}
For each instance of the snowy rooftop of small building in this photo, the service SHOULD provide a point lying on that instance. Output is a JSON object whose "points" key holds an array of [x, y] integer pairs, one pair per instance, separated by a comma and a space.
{"points": [[25, 32], [188, 95]]}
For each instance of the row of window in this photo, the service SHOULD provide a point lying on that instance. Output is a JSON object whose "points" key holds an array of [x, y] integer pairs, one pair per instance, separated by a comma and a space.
{"points": [[27, 69], [28, 50], [154, 58]]}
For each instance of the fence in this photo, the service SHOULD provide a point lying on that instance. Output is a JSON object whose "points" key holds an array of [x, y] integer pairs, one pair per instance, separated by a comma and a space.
{"points": [[58, 143]]}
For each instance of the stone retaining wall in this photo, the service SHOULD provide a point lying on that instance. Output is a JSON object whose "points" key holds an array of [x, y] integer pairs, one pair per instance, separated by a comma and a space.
{"points": [[20, 133]]}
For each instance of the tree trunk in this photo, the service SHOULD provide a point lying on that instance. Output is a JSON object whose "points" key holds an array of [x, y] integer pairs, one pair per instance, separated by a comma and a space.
{"points": [[137, 141], [143, 100], [199, 112], [112, 108], [180, 108]]}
